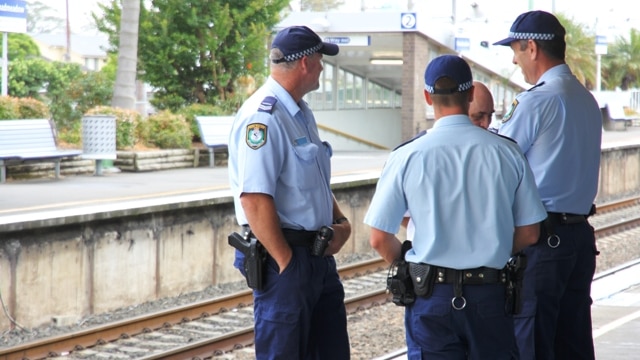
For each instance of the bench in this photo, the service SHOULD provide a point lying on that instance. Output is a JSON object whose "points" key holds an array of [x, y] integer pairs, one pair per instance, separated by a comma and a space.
{"points": [[31, 140], [214, 132], [615, 119]]}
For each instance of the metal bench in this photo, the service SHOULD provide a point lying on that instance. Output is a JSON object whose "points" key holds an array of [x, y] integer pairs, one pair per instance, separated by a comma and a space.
{"points": [[615, 119], [214, 131], [31, 140]]}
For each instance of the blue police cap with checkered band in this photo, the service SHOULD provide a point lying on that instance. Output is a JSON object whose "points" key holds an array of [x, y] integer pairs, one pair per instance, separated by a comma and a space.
{"points": [[295, 42], [452, 67], [534, 25]]}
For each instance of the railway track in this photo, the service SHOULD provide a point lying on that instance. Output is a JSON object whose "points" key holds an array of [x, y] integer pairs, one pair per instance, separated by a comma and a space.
{"points": [[211, 328]]}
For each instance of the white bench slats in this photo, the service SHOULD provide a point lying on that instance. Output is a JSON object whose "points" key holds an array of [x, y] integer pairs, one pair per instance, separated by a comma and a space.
{"points": [[29, 140], [214, 132]]}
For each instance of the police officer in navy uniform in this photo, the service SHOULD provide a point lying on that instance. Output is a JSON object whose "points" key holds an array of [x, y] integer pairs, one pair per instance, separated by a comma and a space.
{"points": [[558, 126], [465, 229], [279, 173]]}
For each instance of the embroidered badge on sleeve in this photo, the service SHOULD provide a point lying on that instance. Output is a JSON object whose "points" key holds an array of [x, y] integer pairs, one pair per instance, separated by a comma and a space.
{"points": [[256, 135], [509, 113]]}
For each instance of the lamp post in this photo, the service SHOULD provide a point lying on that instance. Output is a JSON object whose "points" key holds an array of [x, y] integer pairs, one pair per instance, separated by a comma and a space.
{"points": [[601, 49]]}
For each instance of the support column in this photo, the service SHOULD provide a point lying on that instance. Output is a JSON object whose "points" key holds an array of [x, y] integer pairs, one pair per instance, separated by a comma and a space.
{"points": [[414, 107]]}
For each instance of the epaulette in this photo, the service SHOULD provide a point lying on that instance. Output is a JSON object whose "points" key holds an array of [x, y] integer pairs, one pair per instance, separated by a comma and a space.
{"points": [[504, 137], [536, 86], [418, 135], [267, 104]]}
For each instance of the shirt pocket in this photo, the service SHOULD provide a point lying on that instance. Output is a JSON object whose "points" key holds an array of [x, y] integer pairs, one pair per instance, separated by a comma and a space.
{"points": [[308, 172]]}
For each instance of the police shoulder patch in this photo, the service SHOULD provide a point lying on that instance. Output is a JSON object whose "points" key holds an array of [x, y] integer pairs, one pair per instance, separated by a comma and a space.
{"points": [[256, 135], [509, 113], [267, 104]]}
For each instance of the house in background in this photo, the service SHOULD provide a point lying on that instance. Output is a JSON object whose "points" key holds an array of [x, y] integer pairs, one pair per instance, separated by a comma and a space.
{"points": [[87, 50]]}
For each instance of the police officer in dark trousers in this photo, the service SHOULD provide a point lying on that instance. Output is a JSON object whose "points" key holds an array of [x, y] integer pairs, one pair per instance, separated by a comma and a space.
{"points": [[279, 172], [465, 229], [558, 125]]}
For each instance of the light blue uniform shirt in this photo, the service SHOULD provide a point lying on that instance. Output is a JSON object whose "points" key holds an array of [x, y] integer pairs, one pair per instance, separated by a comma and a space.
{"points": [[465, 188], [275, 149], [558, 125]]}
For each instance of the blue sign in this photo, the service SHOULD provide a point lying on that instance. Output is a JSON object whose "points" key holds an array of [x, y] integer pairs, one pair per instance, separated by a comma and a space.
{"points": [[408, 21], [13, 16], [462, 44]]}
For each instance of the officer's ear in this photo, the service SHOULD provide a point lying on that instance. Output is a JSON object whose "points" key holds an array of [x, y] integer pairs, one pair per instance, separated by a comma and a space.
{"points": [[427, 97], [471, 91]]}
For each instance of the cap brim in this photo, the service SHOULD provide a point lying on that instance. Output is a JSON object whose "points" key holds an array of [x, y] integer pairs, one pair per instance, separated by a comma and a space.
{"points": [[505, 42], [329, 49]]}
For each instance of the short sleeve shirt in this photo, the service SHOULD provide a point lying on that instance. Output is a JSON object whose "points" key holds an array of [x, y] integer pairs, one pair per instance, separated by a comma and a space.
{"points": [[465, 188], [558, 126], [275, 149]]}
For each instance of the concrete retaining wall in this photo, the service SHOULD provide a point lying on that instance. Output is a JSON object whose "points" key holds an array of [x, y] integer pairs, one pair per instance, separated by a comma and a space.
{"points": [[91, 263]]}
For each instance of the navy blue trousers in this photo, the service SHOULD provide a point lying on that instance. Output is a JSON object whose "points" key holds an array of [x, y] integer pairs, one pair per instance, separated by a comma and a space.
{"points": [[482, 330], [300, 314], [556, 319]]}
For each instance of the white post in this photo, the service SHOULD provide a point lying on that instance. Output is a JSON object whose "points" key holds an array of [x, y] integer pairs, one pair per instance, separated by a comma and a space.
{"points": [[5, 64], [598, 72]]}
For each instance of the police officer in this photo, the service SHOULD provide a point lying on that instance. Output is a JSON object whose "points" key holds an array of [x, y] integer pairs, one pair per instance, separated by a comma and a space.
{"points": [[279, 172], [558, 125], [466, 229]]}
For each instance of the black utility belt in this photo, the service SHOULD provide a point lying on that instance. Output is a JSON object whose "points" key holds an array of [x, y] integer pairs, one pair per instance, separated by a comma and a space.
{"points": [[566, 218], [477, 276], [293, 237]]}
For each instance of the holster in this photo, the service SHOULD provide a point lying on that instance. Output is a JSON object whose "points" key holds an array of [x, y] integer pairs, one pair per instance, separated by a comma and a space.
{"points": [[399, 282], [423, 277], [515, 277], [255, 258]]}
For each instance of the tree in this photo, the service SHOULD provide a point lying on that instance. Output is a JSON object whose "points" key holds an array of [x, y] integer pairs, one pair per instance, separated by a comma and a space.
{"points": [[124, 92], [193, 52], [20, 46], [621, 65], [580, 54], [42, 19]]}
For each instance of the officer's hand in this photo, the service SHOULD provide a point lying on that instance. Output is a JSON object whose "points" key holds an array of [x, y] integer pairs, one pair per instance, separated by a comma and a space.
{"points": [[341, 233], [284, 260]]}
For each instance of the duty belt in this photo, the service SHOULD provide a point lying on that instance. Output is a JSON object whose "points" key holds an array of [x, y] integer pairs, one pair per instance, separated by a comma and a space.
{"points": [[293, 237], [478, 276], [565, 218]]}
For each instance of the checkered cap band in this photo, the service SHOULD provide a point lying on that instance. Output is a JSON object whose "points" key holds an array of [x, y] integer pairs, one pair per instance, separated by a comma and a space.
{"points": [[301, 54], [531, 36], [462, 87]]}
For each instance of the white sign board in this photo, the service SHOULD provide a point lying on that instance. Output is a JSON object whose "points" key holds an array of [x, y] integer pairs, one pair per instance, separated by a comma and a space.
{"points": [[13, 16], [601, 45]]}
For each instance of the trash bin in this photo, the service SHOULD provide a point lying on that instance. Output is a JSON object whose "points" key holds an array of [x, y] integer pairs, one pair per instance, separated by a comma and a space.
{"points": [[99, 139]]}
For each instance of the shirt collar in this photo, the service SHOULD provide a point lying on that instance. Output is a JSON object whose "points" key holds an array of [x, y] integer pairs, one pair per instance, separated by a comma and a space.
{"points": [[283, 96], [452, 120], [558, 70]]}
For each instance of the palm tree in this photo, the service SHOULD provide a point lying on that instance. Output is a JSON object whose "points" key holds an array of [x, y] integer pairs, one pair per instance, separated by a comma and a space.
{"points": [[124, 90], [580, 54], [621, 65]]}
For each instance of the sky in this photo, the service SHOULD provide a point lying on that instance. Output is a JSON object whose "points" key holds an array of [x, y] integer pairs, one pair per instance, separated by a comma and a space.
{"points": [[79, 12]]}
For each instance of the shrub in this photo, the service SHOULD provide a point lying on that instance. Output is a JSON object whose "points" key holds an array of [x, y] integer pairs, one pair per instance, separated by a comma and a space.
{"points": [[30, 108], [9, 109], [166, 131], [190, 112], [127, 122]]}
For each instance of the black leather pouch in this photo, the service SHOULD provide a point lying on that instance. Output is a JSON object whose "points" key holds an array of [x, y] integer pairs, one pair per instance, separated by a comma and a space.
{"points": [[423, 277]]}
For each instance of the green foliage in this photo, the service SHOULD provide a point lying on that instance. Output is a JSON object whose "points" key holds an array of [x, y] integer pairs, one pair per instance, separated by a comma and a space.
{"points": [[194, 52], [127, 123], [580, 50], [190, 112], [20, 46], [30, 108], [621, 65], [9, 108], [22, 108], [320, 5], [41, 18], [166, 131]]}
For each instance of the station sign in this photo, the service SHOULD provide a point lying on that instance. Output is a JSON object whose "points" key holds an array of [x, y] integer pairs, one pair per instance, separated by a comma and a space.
{"points": [[13, 16], [356, 40]]}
